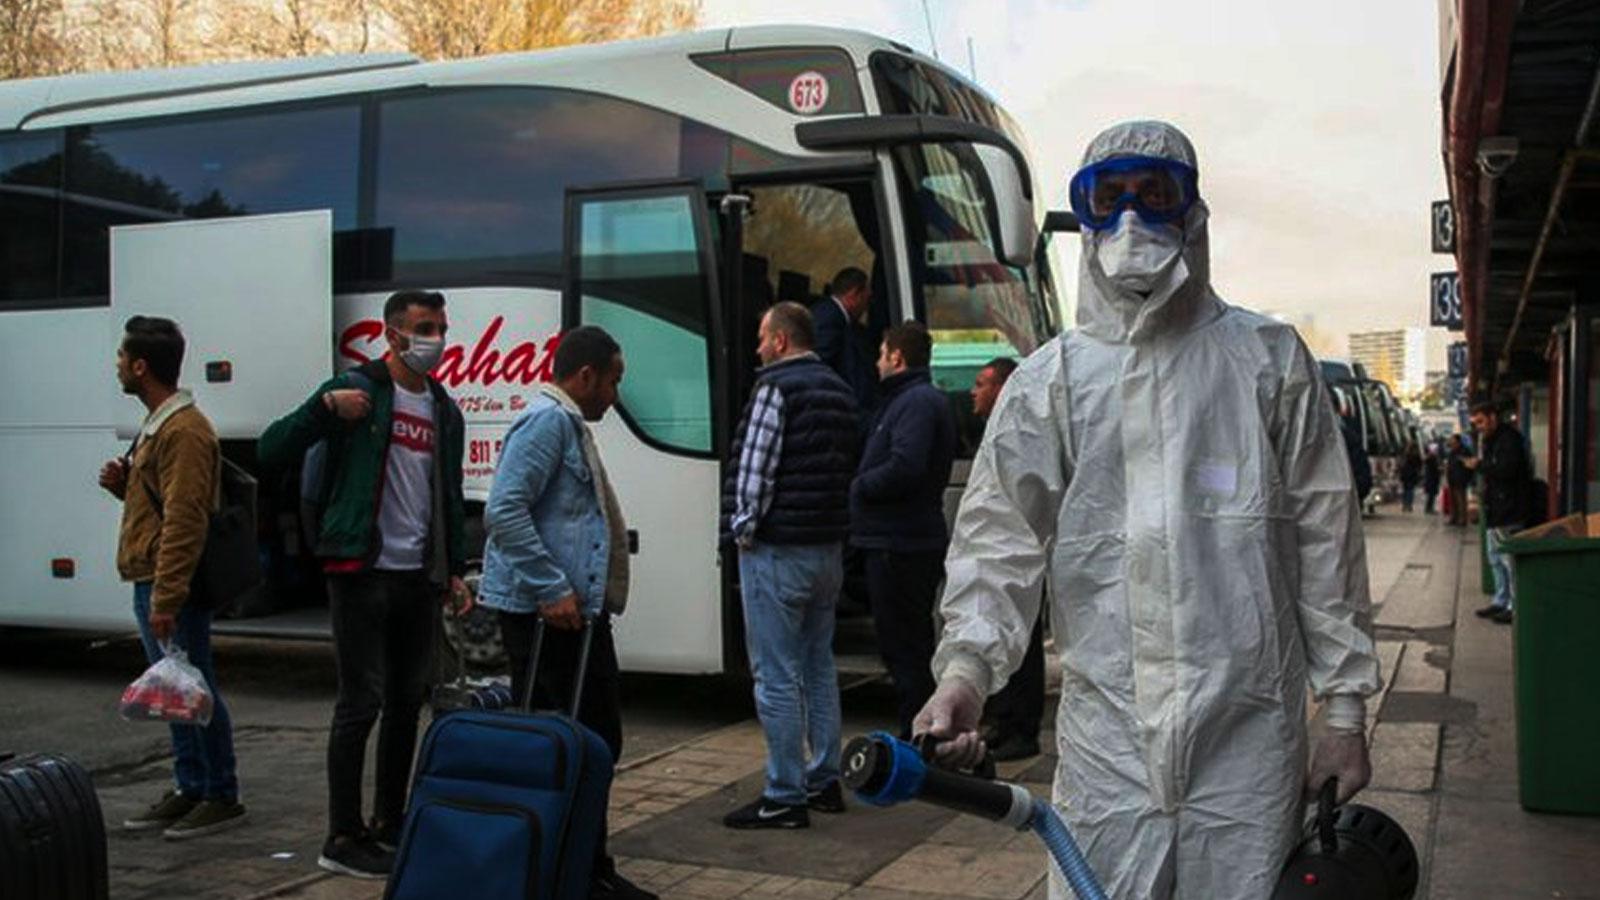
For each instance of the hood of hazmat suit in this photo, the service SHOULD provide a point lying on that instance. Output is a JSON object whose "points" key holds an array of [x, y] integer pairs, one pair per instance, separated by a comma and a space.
{"points": [[1172, 469]]}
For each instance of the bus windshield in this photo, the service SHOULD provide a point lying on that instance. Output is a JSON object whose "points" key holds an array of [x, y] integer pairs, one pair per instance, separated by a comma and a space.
{"points": [[976, 307]]}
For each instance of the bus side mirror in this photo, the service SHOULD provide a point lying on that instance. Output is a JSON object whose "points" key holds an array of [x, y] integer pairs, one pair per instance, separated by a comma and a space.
{"points": [[1059, 220], [1016, 234]]}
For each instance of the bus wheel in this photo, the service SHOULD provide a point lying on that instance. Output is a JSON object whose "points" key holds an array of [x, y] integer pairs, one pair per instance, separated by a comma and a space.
{"points": [[476, 635]]}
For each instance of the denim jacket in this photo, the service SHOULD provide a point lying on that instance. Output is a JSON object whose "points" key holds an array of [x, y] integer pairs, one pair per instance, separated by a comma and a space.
{"points": [[547, 535]]}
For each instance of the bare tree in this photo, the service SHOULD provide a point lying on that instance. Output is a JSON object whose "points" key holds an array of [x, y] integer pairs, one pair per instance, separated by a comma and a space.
{"points": [[31, 38], [447, 29], [277, 28]]}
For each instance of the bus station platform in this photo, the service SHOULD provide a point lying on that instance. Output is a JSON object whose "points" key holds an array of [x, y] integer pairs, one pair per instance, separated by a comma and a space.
{"points": [[1444, 765]]}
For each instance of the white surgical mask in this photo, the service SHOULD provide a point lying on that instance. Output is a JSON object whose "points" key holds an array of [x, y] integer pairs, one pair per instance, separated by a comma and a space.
{"points": [[1135, 255], [422, 353]]}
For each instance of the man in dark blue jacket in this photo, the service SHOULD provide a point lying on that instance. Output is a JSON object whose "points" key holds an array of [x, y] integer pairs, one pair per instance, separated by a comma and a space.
{"points": [[897, 511], [842, 340]]}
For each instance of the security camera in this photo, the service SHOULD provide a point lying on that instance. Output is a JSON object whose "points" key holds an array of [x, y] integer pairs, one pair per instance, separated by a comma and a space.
{"points": [[1496, 154]]}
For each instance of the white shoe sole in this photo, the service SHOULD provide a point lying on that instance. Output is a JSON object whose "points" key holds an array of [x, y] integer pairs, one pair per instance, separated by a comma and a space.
{"points": [[339, 868]]}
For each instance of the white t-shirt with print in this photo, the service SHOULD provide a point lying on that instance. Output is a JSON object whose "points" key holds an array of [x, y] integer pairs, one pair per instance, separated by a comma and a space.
{"points": [[407, 505]]}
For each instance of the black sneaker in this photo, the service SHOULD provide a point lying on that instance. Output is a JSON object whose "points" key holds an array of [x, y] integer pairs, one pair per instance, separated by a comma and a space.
{"points": [[357, 857], [208, 817], [1487, 612], [764, 813], [829, 799], [161, 814], [385, 834], [1014, 747], [612, 886], [1502, 616]]}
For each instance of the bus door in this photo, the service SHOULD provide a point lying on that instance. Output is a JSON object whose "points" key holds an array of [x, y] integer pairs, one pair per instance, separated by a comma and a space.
{"points": [[640, 263], [785, 237], [254, 297]]}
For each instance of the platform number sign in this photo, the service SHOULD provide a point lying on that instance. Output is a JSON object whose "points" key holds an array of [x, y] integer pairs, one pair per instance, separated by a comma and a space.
{"points": [[808, 93], [1444, 301], [1457, 355], [1444, 227]]}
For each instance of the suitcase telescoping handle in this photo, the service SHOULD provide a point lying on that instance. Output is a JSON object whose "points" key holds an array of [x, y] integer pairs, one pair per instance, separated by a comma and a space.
{"points": [[587, 633]]}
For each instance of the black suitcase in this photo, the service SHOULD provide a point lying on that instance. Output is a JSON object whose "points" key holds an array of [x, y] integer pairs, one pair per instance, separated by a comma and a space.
{"points": [[52, 836]]}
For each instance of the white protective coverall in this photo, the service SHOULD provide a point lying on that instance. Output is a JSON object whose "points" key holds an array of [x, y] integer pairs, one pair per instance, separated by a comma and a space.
{"points": [[1172, 465]]}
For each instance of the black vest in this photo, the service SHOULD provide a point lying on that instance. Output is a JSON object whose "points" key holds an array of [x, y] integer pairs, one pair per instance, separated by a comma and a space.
{"points": [[817, 456]]}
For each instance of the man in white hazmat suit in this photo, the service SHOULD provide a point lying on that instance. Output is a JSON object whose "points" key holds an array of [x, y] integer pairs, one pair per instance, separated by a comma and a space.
{"points": [[1172, 465]]}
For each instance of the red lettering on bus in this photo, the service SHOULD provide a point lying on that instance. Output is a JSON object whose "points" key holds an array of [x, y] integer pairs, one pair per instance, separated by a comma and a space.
{"points": [[526, 362]]}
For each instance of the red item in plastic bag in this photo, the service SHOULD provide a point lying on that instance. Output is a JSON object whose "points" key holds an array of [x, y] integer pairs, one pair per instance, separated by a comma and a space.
{"points": [[172, 690]]}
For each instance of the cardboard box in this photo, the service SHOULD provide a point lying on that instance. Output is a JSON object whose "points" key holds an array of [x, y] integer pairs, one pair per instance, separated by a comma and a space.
{"points": [[1576, 525]]}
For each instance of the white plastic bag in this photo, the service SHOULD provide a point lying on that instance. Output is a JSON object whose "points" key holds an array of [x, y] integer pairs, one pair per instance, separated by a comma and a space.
{"points": [[172, 690]]}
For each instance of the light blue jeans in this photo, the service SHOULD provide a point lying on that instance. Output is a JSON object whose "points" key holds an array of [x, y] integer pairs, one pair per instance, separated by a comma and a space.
{"points": [[1500, 564], [790, 595]]}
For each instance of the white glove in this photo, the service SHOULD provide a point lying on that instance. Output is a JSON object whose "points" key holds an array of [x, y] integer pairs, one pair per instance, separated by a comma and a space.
{"points": [[950, 717], [1341, 755]]}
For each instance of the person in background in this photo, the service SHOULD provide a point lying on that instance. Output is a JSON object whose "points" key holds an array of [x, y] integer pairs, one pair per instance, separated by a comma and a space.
{"points": [[1457, 478], [897, 511], [1506, 471], [1430, 477], [168, 488], [839, 322], [1410, 474], [1016, 712]]}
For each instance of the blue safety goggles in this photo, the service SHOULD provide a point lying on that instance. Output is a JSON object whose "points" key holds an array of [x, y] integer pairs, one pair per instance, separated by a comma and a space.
{"points": [[1159, 190]]}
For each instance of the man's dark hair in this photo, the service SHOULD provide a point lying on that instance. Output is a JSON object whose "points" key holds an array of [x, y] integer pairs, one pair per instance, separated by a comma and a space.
{"points": [[586, 345], [159, 343], [911, 340], [1002, 366], [849, 278], [1485, 407], [795, 321], [394, 309]]}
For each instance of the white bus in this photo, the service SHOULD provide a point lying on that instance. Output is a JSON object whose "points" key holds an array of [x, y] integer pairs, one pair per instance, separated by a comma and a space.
{"points": [[666, 189]]}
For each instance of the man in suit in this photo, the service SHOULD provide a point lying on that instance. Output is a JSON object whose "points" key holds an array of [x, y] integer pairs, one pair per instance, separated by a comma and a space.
{"points": [[842, 340]]}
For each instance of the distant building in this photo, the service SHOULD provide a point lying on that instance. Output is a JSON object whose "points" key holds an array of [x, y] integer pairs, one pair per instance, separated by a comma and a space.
{"points": [[1398, 357]]}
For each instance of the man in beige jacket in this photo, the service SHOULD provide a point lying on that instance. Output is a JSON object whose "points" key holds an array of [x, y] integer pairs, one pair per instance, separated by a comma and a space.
{"points": [[168, 486]]}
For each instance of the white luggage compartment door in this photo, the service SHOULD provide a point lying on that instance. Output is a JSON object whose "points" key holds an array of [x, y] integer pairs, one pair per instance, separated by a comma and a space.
{"points": [[254, 297]]}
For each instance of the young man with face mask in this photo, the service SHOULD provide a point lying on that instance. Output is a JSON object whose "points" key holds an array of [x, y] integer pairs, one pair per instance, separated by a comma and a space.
{"points": [[393, 550], [1173, 466]]}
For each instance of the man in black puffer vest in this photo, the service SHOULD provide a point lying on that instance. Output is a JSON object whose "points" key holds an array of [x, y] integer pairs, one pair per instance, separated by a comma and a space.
{"points": [[787, 509], [897, 511]]}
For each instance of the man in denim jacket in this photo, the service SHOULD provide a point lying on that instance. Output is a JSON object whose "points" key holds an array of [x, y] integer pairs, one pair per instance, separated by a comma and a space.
{"points": [[558, 551]]}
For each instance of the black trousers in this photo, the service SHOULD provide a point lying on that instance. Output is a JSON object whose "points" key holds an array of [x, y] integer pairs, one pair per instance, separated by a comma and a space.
{"points": [[383, 632], [601, 705], [1019, 707], [903, 588]]}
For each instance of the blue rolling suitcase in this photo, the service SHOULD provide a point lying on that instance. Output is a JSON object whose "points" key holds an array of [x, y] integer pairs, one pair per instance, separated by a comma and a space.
{"points": [[505, 805]]}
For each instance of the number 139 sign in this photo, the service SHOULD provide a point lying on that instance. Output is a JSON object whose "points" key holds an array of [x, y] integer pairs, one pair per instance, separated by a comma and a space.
{"points": [[1444, 301]]}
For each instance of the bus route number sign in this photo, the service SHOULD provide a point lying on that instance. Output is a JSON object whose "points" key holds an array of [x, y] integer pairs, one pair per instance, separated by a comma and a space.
{"points": [[808, 93]]}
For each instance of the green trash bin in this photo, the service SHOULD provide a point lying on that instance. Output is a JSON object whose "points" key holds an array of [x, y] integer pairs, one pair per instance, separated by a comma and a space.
{"points": [[1557, 635]]}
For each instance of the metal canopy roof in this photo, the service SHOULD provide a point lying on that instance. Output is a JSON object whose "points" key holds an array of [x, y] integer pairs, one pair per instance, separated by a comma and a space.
{"points": [[1544, 234]]}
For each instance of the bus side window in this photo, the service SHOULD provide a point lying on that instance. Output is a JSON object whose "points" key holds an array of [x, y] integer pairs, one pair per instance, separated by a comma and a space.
{"points": [[641, 276], [30, 183]]}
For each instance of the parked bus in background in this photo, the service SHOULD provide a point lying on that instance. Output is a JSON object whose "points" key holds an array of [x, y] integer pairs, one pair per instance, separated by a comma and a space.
{"points": [[667, 190]]}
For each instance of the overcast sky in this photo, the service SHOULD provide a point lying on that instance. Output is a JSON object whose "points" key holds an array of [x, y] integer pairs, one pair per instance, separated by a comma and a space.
{"points": [[1317, 125]]}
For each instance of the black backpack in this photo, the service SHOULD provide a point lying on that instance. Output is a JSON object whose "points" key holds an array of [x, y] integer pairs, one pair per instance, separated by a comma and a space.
{"points": [[230, 564]]}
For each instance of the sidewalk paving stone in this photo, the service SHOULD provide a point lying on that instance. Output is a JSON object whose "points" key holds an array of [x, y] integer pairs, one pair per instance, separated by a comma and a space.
{"points": [[964, 871]]}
